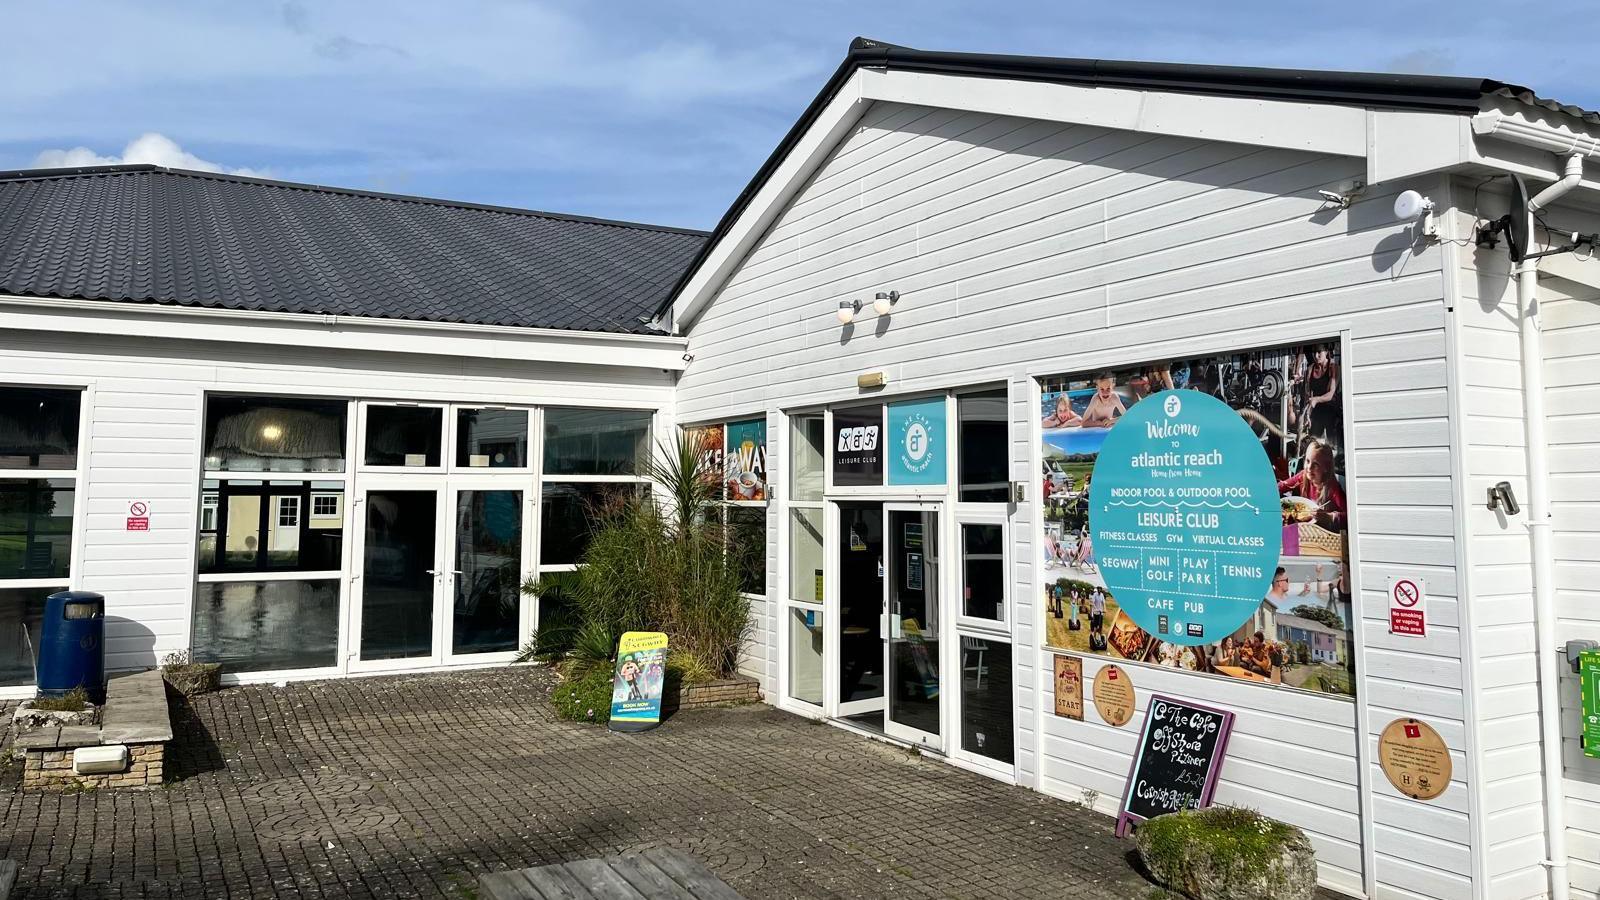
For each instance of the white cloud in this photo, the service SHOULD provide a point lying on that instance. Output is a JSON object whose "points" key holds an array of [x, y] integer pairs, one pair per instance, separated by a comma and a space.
{"points": [[148, 148]]}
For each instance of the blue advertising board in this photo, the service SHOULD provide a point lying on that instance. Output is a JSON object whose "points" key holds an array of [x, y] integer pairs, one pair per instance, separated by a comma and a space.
{"points": [[917, 454], [1186, 518]]}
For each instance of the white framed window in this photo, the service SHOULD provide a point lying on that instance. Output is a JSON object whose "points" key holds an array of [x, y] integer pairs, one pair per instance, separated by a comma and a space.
{"points": [[40, 468], [803, 518], [587, 457], [266, 457]]}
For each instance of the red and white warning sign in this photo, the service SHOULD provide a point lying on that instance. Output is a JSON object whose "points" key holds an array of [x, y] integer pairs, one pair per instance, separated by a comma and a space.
{"points": [[1408, 606], [138, 516]]}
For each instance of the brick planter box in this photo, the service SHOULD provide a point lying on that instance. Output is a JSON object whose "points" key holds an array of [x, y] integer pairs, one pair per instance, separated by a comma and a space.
{"points": [[135, 716], [738, 689]]}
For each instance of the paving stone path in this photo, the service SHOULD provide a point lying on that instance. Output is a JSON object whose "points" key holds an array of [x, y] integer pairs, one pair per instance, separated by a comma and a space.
{"points": [[412, 786]]}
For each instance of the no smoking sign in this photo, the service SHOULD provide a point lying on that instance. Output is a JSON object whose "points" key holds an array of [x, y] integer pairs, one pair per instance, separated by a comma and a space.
{"points": [[1408, 606]]}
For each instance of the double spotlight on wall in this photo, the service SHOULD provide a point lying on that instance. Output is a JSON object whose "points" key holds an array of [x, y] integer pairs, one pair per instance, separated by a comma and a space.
{"points": [[882, 303]]}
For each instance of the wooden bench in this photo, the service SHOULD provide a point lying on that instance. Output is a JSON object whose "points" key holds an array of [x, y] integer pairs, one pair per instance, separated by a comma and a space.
{"points": [[647, 874]]}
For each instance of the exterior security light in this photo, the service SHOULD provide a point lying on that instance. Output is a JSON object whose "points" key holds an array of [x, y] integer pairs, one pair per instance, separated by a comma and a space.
{"points": [[1411, 204], [884, 303], [848, 310]]}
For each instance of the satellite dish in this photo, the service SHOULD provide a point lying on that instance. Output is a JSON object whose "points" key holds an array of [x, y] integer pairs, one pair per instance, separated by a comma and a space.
{"points": [[1518, 221]]}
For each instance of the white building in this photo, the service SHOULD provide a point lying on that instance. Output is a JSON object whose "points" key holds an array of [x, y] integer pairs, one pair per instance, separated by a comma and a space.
{"points": [[1024, 249]]}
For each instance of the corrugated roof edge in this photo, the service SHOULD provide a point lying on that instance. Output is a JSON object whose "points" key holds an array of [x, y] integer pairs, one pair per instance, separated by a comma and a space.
{"points": [[1372, 89], [90, 171]]}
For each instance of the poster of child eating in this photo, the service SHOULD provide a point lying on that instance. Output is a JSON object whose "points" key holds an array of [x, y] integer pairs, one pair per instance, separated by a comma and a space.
{"points": [[1291, 397]]}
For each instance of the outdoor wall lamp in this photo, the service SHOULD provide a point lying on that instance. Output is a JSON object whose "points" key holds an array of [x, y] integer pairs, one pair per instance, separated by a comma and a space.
{"points": [[848, 310], [1500, 497], [884, 302]]}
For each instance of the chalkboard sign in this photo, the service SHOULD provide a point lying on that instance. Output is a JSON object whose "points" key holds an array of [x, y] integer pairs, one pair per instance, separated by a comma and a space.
{"points": [[1176, 764]]}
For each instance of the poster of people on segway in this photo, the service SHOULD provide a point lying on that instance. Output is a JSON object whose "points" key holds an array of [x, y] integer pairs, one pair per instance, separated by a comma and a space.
{"points": [[1292, 399]]}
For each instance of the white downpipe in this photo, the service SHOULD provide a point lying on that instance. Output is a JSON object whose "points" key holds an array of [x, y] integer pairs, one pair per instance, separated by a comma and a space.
{"points": [[1544, 602]]}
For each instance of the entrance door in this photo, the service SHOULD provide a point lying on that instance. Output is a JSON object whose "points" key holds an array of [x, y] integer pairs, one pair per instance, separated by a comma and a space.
{"points": [[402, 575], [441, 571], [913, 623], [859, 669]]}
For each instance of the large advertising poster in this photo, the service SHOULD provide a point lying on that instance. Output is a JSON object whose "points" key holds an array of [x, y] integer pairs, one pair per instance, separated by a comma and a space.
{"points": [[747, 460], [707, 440], [1181, 528]]}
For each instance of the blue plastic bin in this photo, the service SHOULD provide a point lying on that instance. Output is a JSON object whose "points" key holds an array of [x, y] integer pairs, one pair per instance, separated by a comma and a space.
{"points": [[72, 645]]}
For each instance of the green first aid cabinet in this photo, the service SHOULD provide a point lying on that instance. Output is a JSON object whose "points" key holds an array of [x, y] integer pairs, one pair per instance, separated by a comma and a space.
{"points": [[1589, 675]]}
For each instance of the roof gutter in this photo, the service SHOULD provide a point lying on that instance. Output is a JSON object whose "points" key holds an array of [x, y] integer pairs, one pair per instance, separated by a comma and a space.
{"points": [[663, 351]]}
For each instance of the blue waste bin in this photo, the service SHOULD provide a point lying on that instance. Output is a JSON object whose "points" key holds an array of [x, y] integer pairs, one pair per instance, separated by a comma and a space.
{"points": [[72, 645]]}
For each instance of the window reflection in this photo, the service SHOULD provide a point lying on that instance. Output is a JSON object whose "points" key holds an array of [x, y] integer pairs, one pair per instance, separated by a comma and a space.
{"points": [[39, 428], [258, 626], [260, 526], [404, 435], [36, 527], [596, 441], [492, 438], [275, 434]]}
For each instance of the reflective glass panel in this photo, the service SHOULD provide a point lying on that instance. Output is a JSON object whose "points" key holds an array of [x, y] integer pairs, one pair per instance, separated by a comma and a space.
{"points": [[986, 700], [747, 526], [271, 526], [805, 555], [808, 459], [404, 435], [492, 438], [982, 450], [805, 655], [39, 428], [983, 576], [260, 626], [566, 515], [36, 527], [21, 612], [397, 572], [275, 434], [488, 571], [596, 441]]}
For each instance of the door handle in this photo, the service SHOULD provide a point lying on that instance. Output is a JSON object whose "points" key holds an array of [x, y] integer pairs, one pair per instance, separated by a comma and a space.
{"points": [[434, 571]]}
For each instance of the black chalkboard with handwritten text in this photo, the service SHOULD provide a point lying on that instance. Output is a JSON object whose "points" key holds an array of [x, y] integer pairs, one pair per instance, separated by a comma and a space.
{"points": [[1177, 762]]}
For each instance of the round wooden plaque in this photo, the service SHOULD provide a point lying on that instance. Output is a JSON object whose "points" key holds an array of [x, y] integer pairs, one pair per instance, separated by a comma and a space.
{"points": [[1113, 695], [1414, 758]]}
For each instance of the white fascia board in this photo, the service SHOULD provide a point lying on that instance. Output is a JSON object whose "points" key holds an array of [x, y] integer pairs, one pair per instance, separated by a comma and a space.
{"points": [[1313, 127], [342, 332], [1405, 144], [840, 115]]}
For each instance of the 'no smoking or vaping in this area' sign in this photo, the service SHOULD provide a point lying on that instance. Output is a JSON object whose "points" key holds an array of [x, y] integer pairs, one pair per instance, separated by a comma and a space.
{"points": [[138, 516], [1408, 606]]}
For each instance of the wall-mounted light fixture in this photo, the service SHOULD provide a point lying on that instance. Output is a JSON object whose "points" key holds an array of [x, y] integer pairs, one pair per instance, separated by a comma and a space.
{"points": [[1411, 206], [1501, 497], [882, 303]]}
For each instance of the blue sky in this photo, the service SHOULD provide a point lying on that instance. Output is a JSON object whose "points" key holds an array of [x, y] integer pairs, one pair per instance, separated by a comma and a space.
{"points": [[656, 112]]}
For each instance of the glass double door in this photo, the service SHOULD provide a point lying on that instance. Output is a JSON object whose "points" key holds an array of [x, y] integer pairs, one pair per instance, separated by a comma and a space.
{"points": [[888, 621], [441, 565]]}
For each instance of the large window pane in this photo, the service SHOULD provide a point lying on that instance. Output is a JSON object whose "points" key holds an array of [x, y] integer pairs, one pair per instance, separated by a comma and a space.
{"points": [[21, 615], [404, 435], [488, 579], [35, 528], [274, 434], [492, 438], [257, 626], [982, 452], [805, 555], [271, 526], [805, 655], [596, 441], [747, 526], [566, 517], [986, 702], [39, 428], [983, 576], [808, 459]]}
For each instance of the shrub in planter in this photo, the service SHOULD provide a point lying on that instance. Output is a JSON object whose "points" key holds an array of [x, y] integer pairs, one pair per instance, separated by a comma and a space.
{"points": [[190, 678], [1222, 853], [584, 695]]}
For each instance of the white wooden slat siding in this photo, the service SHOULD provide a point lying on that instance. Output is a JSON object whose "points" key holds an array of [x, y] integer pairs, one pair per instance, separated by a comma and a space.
{"points": [[144, 435], [1571, 345], [1024, 248]]}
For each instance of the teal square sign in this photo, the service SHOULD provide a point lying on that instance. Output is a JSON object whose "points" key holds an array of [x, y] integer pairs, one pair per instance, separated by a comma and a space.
{"points": [[918, 446]]}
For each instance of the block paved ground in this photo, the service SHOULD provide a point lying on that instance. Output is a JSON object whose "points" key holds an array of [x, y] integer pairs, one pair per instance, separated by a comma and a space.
{"points": [[412, 786]]}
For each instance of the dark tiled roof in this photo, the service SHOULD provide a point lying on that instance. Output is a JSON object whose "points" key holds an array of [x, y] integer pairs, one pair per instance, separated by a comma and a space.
{"points": [[155, 235]]}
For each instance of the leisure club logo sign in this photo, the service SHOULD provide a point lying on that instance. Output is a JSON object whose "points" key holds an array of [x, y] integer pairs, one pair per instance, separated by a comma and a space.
{"points": [[857, 459]]}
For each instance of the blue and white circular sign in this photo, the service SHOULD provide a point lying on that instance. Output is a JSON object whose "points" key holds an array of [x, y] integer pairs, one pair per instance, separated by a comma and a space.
{"points": [[1183, 506]]}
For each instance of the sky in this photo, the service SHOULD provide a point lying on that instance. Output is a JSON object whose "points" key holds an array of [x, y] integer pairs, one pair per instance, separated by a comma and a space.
{"points": [[656, 112]]}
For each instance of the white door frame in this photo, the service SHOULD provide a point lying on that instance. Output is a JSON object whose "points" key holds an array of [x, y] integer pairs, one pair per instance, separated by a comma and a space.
{"points": [[441, 530], [833, 660], [940, 631]]}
